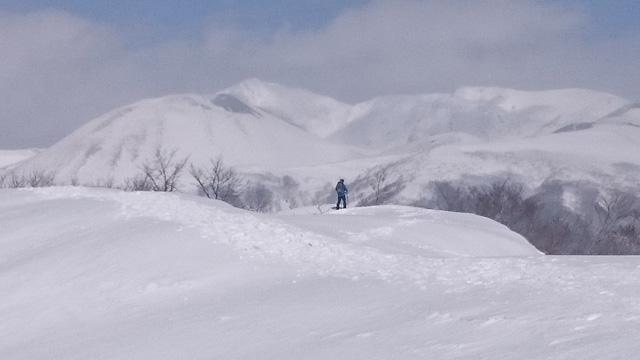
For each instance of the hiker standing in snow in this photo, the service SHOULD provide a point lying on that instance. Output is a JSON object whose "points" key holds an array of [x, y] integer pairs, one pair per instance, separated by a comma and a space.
{"points": [[342, 191]]}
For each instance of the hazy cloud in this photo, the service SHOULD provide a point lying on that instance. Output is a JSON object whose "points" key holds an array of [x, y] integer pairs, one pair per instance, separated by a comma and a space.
{"points": [[58, 71]]}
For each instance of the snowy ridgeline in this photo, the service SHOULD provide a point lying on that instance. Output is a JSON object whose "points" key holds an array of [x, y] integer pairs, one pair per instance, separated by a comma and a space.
{"points": [[267, 129], [103, 274]]}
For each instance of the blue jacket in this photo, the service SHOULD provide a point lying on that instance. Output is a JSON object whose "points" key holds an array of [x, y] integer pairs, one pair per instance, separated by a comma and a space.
{"points": [[341, 189]]}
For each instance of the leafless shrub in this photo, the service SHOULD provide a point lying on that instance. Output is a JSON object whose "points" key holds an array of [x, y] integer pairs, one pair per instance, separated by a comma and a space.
{"points": [[290, 189], [161, 173], [619, 225], [378, 186], [324, 196], [36, 178], [449, 197], [139, 182], [218, 181], [613, 228], [257, 197]]}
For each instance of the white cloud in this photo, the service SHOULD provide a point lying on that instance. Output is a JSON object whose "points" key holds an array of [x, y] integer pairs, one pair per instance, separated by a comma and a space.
{"points": [[46, 61], [400, 46], [57, 70], [46, 38], [406, 46]]}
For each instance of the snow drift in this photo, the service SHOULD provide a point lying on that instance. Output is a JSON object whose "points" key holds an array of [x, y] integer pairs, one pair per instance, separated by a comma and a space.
{"points": [[102, 274]]}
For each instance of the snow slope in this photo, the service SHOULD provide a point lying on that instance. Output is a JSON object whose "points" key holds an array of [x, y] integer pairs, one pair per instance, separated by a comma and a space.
{"points": [[100, 274], [317, 114], [484, 114], [115, 146], [604, 155], [9, 157], [479, 134]]}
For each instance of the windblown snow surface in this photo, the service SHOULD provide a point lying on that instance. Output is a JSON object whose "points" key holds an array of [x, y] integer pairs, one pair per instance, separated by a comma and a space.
{"points": [[102, 274]]}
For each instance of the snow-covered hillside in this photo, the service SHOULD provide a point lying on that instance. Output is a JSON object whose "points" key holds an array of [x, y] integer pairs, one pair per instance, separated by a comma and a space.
{"points": [[605, 156], [115, 145], [10, 157], [317, 114], [269, 131], [485, 114], [104, 274]]}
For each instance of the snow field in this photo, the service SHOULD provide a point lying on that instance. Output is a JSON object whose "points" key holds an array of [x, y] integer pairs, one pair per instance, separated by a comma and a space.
{"points": [[342, 253], [101, 274]]}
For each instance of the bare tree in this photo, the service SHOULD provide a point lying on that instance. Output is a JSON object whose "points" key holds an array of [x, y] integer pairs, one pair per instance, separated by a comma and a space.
{"points": [[611, 211], [16, 181], [218, 181], [377, 184], [37, 178], [449, 197], [163, 171], [290, 190], [619, 225], [257, 198], [610, 225], [41, 178], [504, 202], [383, 191], [324, 196], [140, 182], [495, 201]]}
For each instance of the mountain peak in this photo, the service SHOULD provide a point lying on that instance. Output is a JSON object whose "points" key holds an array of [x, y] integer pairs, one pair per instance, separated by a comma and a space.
{"points": [[255, 91], [318, 114]]}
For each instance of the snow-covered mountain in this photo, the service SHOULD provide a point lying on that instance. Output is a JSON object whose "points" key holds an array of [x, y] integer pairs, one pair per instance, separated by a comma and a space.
{"points": [[269, 129], [317, 114], [10, 157], [91, 273], [201, 128], [484, 114]]}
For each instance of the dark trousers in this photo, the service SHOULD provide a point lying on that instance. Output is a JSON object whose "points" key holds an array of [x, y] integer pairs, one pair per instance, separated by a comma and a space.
{"points": [[344, 201]]}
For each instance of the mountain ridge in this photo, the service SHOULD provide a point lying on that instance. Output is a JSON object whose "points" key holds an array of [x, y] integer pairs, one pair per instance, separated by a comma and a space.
{"points": [[269, 131]]}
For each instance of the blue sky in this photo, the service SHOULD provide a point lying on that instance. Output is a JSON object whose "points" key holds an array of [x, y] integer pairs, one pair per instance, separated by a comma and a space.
{"points": [[189, 17], [173, 18], [610, 18], [65, 62]]}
